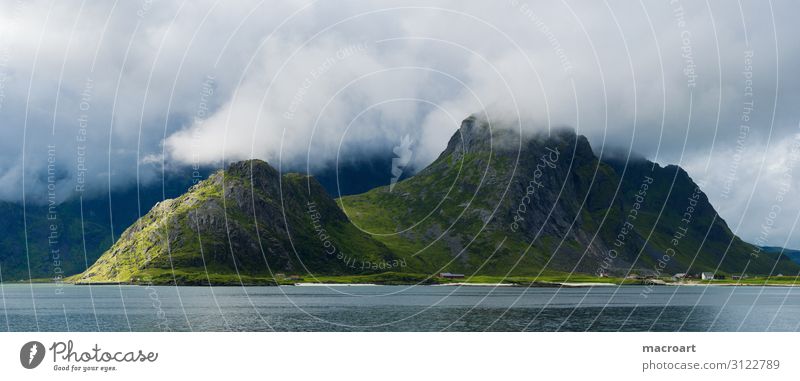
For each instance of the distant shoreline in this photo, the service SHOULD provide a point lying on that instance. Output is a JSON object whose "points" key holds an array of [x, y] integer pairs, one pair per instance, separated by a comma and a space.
{"points": [[350, 282]]}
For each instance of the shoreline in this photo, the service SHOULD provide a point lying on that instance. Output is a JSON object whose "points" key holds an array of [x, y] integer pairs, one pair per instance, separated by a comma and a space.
{"points": [[548, 284], [311, 284], [412, 279], [459, 284]]}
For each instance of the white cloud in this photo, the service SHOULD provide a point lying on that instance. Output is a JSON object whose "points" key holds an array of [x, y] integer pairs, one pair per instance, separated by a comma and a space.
{"points": [[755, 194]]}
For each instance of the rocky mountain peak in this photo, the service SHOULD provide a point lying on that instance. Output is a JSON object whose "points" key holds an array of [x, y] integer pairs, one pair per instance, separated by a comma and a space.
{"points": [[479, 135], [254, 168]]}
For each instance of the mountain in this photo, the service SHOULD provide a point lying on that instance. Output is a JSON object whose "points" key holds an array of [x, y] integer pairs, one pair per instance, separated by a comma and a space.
{"points": [[247, 221], [496, 202], [65, 240], [794, 255]]}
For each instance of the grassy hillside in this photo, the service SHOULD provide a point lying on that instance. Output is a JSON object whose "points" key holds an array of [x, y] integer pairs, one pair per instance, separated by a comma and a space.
{"points": [[248, 220]]}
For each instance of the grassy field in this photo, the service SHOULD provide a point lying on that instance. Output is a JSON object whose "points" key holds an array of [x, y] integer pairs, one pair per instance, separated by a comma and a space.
{"points": [[756, 281]]}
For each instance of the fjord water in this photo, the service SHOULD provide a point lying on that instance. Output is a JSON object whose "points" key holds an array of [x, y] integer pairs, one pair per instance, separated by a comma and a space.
{"points": [[398, 308]]}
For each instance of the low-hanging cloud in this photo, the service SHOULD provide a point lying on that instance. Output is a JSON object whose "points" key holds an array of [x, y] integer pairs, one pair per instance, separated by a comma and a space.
{"points": [[123, 91]]}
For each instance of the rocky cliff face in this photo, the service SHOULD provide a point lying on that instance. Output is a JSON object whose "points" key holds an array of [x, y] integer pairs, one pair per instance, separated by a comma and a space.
{"points": [[248, 220], [498, 202]]}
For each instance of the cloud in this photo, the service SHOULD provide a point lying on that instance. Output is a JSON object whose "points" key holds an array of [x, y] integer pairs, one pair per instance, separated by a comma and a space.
{"points": [[304, 84], [753, 186]]}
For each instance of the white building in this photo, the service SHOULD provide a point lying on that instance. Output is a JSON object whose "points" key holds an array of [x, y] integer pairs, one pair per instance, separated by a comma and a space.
{"points": [[707, 276]]}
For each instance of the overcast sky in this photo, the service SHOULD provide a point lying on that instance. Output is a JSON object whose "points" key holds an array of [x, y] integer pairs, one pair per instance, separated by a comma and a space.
{"points": [[302, 84]]}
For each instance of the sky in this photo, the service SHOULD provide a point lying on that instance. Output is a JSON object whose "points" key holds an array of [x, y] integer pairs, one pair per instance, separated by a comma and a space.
{"points": [[99, 95]]}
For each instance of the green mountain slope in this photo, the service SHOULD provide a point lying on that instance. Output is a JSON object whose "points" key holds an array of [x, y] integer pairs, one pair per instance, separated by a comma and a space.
{"points": [[497, 203], [794, 255], [248, 221]]}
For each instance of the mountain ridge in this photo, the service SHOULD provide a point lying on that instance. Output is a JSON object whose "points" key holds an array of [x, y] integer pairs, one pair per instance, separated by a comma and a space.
{"points": [[585, 211], [493, 203]]}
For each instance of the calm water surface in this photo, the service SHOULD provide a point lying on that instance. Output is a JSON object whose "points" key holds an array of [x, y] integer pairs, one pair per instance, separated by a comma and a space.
{"points": [[397, 308]]}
